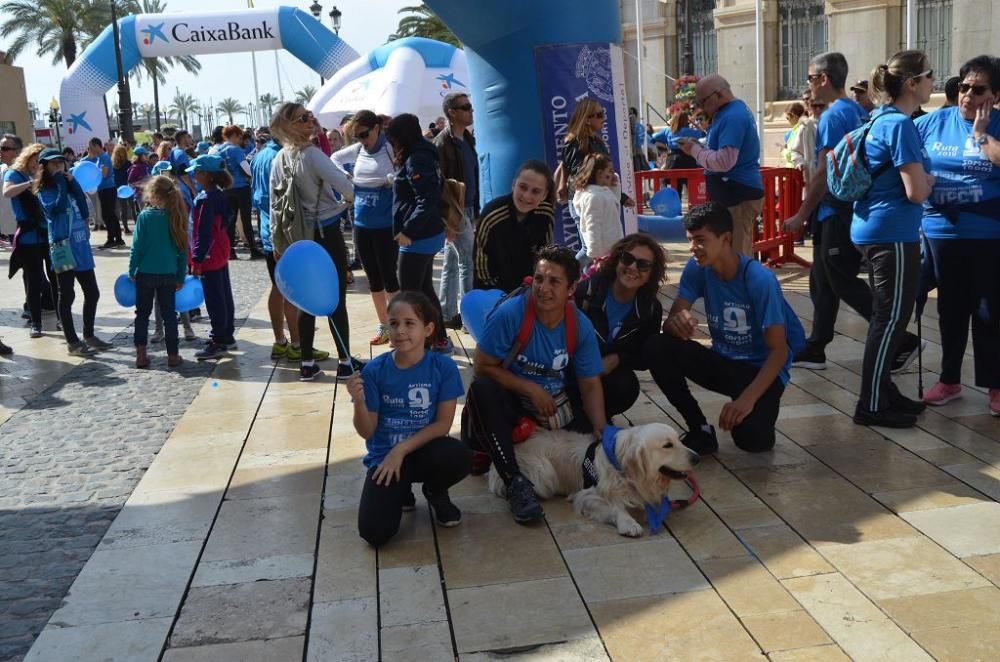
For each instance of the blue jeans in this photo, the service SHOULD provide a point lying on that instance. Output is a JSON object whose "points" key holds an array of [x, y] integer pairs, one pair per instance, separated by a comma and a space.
{"points": [[163, 287], [456, 273], [219, 304]]}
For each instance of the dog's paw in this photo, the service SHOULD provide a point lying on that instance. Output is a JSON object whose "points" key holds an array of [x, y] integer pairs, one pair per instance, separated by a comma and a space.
{"points": [[629, 527]]}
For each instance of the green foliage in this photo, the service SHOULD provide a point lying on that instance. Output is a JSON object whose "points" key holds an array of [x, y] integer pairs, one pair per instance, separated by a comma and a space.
{"points": [[420, 21]]}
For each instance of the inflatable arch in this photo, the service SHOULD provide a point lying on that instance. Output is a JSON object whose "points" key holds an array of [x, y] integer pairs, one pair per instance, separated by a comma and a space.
{"points": [[155, 35], [410, 75]]}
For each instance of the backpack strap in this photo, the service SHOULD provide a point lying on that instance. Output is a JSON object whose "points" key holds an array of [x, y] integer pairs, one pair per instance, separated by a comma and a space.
{"points": [[862, 149], [570, 321], [528, 326]]}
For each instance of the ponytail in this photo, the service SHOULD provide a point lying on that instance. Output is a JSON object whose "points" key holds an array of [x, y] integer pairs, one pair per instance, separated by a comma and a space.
{"points": [[886, 81]]}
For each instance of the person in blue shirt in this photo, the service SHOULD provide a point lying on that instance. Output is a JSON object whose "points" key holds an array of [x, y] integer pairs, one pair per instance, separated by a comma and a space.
{"points": [[749, 358], [731, 159], [106, 194], [547, 381], [238, 196], [677, 159], [961, 224], [66, 214], [404, 406], [886, 228]]}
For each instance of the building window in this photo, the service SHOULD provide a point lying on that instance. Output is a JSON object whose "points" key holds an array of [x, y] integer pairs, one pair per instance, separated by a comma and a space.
{"points": [[934, 37], [8, 127], [703, 50], [802, 32]]}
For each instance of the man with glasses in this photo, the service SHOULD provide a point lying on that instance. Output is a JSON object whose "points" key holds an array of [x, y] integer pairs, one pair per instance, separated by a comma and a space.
{"points": [[731, 159], [457, 152]]}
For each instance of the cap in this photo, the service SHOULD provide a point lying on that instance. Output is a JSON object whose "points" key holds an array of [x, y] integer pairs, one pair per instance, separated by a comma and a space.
{"points": [[203, 147], [160, 167], [207, 163], [51, 154], [142, 151], [861, 86]]}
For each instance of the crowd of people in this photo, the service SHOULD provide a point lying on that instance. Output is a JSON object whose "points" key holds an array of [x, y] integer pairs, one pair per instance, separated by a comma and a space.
{"points": [[560, 349]]}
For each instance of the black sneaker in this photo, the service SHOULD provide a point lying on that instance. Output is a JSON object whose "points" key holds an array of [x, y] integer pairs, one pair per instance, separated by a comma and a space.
{"points": [[344, 370], [5, 350], [908, 348], [211, 352], [409, 502], [812, 358], [901, 403], [701, 441], [887, 418], [523, 501], [445, 512], [307, 373]]}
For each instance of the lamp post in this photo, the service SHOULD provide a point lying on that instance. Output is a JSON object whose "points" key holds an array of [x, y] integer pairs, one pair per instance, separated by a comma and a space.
{"points": [[335, 15], [124, 97], [55, 119], [316, 10]]}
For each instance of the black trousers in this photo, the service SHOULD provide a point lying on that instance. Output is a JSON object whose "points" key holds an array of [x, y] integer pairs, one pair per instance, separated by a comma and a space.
{"points": [[162, 288], [67, 294], [35, 262], [621, 390], [379, 255], [894, 271], [416, 272], [439, 464], [489, 416], [674, 361], [108, 198], [220, 305], [332, 240], [968, 282], [240, 201]]}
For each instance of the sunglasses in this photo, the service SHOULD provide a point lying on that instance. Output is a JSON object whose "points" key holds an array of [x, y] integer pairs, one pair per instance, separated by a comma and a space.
{"points": [[595, 116], [701, 102], [641, 264], [965, 88], [811, 77], [929, 74], [466, 107], [363, 135], [305, 119], [8, 149]]}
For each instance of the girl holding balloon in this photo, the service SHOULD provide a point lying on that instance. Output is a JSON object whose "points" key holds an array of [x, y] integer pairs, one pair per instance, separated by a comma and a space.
{"points": [[158, 264]]}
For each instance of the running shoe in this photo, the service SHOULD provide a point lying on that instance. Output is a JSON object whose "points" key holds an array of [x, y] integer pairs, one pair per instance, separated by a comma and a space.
{"points": [[97, 344], [5, 349], [345, 370], [381, 336], [307, 373], [909, 347], [700, 440], [211, 352], [811, 358], [157, 336], [79, 349], [887, 418], [279, 350], [36, 332], [295, 354], [523, 501], [446, 513], [942, 393]]}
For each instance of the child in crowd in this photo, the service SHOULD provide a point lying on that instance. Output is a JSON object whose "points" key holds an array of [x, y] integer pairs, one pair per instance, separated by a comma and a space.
{"points": [[210, 259], [598, 203], [404, 406], [158, 264]]}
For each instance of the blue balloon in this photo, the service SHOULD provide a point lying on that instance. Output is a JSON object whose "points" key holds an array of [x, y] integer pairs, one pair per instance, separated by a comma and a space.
{"points": [[125, 192], [190, 296], [475, 306], [125, 291], [87, 175], [666, 202], [663, 228], [307, 277]]}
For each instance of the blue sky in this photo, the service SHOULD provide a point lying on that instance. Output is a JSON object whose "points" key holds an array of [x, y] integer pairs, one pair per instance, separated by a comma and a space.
{"points": [[365, 25]]}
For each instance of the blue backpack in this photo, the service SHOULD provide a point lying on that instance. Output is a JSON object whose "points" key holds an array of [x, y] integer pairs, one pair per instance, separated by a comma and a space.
{"points": [[795, 333], [847, 175]]}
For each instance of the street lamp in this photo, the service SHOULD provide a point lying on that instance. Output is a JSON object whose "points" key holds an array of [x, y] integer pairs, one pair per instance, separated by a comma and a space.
{"points": [[335, 15], [316, 10], [55, 118]]}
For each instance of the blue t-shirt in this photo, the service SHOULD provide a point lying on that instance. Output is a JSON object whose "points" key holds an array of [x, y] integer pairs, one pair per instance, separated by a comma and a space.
{"points": [[233, 157], [962, 174], [733, 126], [670, 138], [738, 310], [103, 161], [28, 237], [180, 161], [616, 311], [885, 215], [406, 400], [426, 246], [66, 211], [842, 117], [260, 178], [545, 359], [372, 207]]}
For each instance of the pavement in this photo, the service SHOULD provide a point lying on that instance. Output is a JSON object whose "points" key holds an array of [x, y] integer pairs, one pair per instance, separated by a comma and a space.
{"points": [[237, 539]]}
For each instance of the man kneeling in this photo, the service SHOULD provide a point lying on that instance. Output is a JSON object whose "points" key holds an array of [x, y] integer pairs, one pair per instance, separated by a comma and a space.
{"points": [[534, 361], [749, 358]]}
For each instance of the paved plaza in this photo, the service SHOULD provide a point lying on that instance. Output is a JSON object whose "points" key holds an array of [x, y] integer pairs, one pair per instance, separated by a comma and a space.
{"points": [[209, 514]]}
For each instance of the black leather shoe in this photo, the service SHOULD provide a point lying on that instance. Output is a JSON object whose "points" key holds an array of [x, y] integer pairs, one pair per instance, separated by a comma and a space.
{"points": [[887, 418]]}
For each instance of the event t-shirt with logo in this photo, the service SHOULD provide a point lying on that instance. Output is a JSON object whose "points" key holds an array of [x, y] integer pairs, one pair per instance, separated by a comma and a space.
{"points": [[406, 400], [843, 116], [234, 157], [29, 237], [545, 359], [885, 215], [103, 161], [616, 311], [738, 310], [733, 126], [962, 175]]}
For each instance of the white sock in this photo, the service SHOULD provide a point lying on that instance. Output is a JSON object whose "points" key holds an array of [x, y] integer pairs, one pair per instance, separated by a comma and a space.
{"points": [[308, 364]]}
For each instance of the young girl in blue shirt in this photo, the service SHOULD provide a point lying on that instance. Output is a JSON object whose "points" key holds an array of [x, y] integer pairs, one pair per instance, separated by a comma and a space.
{"points": [[886, 229], [404, 406]]}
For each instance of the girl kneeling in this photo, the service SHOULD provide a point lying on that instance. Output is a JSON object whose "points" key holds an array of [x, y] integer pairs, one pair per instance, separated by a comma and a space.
{"points": [[404, 406]]}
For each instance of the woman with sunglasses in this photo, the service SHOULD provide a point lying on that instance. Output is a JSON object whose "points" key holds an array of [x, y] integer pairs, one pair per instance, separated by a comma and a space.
{"points": [[620, 300], [962, 229], [886, 229]]}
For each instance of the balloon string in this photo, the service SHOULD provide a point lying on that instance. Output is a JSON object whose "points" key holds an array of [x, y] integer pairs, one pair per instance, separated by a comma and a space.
{"points": [[340, 342]]}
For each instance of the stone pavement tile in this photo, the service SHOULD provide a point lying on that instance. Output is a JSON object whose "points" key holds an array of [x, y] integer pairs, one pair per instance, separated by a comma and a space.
{"points": [[679, 626], [273, 650], [495, 618], [573, 531], [237, 571], [703, 534], [279, 402], [421, 642], [881, 469], [410, 596], [973, 607], [945, 456], [122, 585], [639, 568], [783, 552], [343, 488], [981, 446], [190, 468], [288, 433], [969, 530], [814, 410], [345, 564], [588, 649], [470, 486], [828, 430], [929, 498], [128, 641], [156, 518], [900, 567], [747, 587], [207, 427], [278, 480], [258, 528], [960, 644], [983, 477], [812, 654], [988, 566], [344, 631], [785, 630], [855, 624], [242, 612]]}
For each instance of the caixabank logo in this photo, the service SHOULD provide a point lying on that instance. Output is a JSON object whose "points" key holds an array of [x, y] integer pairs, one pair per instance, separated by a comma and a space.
{"points": [[183, 32]]}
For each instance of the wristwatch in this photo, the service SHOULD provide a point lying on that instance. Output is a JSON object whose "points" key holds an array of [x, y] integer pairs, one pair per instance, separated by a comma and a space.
{"points": [[983, 139]]}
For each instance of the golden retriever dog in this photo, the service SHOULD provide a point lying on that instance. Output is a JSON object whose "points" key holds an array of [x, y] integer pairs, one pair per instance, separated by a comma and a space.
{"points": [[651, 456]]}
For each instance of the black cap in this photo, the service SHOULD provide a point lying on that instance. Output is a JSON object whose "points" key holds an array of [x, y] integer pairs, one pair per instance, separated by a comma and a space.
{"points": [[51, 154], [861, 86]]}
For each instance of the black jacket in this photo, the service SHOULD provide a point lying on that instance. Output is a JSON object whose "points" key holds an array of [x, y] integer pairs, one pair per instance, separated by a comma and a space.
{"points": [[643, 321], [505, 248], [416, 194], [452, 163]]}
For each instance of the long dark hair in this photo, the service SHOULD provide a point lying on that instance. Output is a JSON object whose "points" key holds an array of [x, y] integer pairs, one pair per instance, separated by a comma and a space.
{"points": [[658, 273], [403, 133]]}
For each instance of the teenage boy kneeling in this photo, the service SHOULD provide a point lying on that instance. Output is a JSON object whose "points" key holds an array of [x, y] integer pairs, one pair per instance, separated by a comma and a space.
{"points": [[749, 357]]}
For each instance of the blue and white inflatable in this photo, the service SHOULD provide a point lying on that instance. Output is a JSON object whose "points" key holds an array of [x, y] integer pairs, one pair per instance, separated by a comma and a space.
{"points": [[163, 35], [410, 75]]}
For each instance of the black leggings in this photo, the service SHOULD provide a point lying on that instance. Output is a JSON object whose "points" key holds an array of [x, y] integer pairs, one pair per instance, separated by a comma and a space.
{"points": [[240, 201], [439, 464], [108, 198], [621, 390], [67, 294], [416, 272], [35, 262], [332, 241], [379, 254]]}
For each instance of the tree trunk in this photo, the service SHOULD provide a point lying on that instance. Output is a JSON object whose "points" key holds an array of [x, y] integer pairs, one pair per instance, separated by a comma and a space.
{"points": [[69, 51]]}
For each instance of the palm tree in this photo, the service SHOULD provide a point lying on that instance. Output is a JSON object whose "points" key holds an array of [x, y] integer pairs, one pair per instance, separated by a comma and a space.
{"points": [[59, 28], [229, 107], [305, 94], [420, 21], [184, 105], [268, 101]]}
